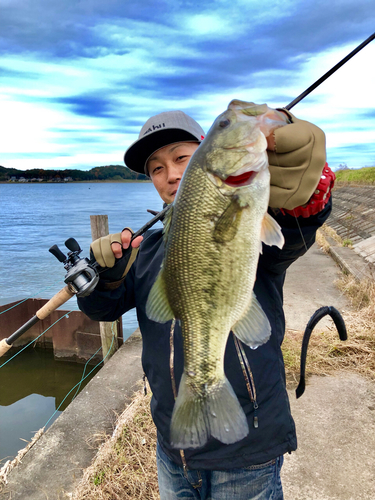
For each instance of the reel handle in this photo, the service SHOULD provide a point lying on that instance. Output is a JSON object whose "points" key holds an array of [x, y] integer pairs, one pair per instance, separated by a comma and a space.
{"points": [[56, 252], [72, 245]]}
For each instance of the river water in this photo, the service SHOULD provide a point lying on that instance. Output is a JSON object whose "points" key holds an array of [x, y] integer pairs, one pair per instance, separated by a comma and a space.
{"points": [[33, 217]]}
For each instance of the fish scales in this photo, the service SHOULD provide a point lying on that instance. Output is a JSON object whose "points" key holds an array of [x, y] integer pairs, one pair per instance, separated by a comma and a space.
{"points": [[206, 264], [212, 243]]}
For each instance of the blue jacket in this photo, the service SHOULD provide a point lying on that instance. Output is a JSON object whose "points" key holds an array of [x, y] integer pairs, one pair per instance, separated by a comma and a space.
{"points": [[272, 430]]}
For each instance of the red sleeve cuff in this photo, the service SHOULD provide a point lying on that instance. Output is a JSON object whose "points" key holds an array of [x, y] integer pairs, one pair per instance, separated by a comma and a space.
{"points": [[320, 197]]}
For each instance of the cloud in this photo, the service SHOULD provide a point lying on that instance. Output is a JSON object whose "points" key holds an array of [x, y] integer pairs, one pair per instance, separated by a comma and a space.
{"points": [[367, 113], [93, 28], [91, 73], [88, 105], [354, 156]]}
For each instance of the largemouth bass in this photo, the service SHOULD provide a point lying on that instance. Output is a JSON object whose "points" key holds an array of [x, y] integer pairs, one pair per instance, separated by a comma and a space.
{"points": [[213, 235]]}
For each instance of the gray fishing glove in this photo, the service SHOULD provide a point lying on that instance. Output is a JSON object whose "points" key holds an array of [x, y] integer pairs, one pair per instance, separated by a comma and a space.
{"points": [[296, 163], [101, 251]]}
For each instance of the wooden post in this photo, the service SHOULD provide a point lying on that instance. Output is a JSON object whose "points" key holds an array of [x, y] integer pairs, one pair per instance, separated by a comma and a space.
{"points": [[99, 228]]}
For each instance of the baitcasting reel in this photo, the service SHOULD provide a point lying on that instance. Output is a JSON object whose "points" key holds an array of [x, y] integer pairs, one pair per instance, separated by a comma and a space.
{"points": [[82, 275]]}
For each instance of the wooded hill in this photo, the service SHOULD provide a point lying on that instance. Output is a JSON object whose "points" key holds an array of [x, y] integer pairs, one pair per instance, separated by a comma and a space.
{"points": [[108, 173]]}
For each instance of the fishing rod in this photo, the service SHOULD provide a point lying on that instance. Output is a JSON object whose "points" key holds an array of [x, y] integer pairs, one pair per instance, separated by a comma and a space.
{"points": [[323, 311], [81, 278], [329, 73], [83, 275]]}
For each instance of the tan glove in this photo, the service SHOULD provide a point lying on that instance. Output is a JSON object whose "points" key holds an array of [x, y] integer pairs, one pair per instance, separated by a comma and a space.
{"points": [[296, 164], [101, 250]]}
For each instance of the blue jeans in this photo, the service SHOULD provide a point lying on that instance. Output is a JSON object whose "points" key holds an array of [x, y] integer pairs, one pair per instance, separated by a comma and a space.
{"points": [[256, 482]]}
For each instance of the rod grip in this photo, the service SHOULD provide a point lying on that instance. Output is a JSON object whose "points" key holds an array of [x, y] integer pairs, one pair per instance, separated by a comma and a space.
{"points": [[57, 300], [4, 347]]}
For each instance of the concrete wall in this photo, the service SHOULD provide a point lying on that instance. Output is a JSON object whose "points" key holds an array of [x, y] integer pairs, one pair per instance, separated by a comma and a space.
{"points": [[74, 338], [54, 465]]}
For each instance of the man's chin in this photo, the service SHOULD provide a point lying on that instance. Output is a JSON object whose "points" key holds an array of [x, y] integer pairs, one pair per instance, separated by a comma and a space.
{"points": [[169, 199]]}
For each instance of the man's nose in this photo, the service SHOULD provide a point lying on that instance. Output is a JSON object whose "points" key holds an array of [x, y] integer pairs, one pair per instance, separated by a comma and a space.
{"points": [[174, 172]]}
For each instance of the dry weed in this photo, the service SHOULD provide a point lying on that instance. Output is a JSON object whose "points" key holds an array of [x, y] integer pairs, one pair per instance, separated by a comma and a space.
{"points": [[327, 231], [125, 466], [326, 352], [322, 242], [361, 294]]}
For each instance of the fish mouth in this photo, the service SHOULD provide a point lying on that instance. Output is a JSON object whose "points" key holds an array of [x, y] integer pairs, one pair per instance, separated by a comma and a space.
{"points": [[240, 180]]}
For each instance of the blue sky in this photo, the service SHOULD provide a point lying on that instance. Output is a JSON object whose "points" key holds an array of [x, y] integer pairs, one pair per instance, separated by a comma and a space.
{"points": [[78, 78]]}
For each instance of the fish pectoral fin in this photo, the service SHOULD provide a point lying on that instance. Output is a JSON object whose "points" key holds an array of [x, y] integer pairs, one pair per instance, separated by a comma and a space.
{"points": [[216, 413], [270, 232], [157, 307], [253, 329], [227, 226]]}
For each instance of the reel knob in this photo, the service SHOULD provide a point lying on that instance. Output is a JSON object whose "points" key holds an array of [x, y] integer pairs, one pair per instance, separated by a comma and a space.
{"points": [[72, 245], [56, 252]]}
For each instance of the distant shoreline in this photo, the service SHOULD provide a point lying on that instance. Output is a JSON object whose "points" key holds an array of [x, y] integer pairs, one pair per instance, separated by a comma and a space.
{"points": [[105, 181]]}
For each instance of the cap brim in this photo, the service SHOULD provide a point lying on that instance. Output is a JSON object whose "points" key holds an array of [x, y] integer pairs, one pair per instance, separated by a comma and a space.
{"points": [[136, 155]]}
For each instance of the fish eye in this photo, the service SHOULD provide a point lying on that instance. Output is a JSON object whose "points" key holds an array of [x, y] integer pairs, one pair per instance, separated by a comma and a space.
{"points": [[224, 123]]}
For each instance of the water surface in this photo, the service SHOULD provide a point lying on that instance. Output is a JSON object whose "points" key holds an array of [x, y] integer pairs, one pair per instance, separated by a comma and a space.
{"points": [[33, 218]]}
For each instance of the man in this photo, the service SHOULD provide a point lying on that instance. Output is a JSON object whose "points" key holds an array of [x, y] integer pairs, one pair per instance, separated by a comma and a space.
{"points": [[300, 201]]}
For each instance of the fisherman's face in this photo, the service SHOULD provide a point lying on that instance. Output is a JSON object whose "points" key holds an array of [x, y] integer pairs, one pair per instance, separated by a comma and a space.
{"points": [[167, 165]]}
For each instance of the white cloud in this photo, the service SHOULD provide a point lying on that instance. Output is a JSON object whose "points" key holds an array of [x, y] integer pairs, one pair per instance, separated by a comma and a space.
{"points": [[128, 69], [25, 128], [77, 161], [208, 24]]}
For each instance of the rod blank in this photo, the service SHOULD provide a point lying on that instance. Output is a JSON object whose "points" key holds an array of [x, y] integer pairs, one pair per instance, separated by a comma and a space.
{"points": [[329, 73]]}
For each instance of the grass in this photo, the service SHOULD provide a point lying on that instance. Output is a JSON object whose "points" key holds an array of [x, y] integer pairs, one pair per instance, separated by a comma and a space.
{"points": [[362, 176], [125, 466], [347, 243]]}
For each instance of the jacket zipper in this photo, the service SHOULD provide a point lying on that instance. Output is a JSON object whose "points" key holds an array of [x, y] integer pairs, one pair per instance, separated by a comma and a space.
{"points": [[174, 389], [248, 376]]}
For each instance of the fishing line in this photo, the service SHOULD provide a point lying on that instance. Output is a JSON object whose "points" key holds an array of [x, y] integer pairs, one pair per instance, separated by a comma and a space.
{"points": [[34, 340], [32, 296], [88, 361], [300, 230], [294, 215], [84, 378]]}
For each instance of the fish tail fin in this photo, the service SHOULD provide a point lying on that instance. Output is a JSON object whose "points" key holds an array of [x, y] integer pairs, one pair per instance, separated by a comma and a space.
{"points": [[216, 413]]}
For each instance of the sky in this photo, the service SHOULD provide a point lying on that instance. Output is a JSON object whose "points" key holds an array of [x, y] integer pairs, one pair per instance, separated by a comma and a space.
{"points": [[78, 78]]}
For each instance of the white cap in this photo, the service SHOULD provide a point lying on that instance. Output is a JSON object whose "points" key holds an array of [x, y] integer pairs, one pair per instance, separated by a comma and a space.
{"points": [[159, 131]]}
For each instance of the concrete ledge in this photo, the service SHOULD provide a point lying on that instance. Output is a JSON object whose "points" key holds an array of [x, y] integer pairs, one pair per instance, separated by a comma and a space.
{"points": [[54, 465], [366, 249], [349, 261]]}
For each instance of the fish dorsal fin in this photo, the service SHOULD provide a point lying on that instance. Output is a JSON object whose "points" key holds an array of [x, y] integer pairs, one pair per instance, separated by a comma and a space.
{"points": [[227, 226], [167, 222], [253, 328], [248, 108], [157, 307], [271, 232], [256, 110]]}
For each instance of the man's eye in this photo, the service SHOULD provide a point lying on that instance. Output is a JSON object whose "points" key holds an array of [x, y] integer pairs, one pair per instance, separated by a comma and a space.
{"points": [[183, 157], [156, 170]]}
